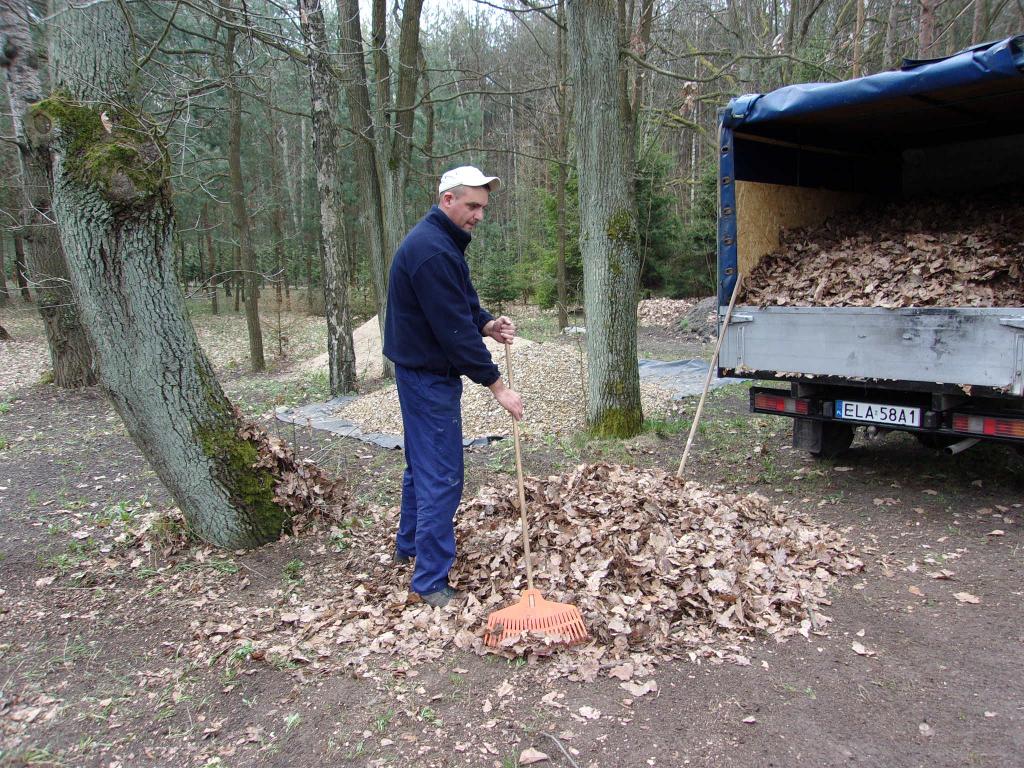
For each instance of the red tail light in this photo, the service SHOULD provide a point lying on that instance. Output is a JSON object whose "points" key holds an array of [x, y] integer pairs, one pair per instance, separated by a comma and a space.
{"points": [[988, 425], [779, 404]]}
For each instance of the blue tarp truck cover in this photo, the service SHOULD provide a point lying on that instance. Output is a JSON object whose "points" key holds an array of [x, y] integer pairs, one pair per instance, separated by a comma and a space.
{"points": [[819, 134]]}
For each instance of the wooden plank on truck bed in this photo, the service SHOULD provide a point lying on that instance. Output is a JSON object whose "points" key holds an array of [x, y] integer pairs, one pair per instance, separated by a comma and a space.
{"points": [[763, 210]]}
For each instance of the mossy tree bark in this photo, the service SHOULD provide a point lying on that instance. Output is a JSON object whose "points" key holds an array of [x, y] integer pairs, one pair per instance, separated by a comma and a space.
{"points": [[608, 230], [324, 98], [70, 353], [112, 201]]}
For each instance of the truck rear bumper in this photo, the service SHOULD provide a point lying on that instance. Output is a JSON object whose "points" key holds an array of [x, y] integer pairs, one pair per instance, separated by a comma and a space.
{"points": [[926, 349], [962, 421]]}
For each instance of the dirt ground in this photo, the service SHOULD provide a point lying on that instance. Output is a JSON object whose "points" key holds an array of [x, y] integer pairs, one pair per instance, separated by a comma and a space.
{"points": [[919, 667]]}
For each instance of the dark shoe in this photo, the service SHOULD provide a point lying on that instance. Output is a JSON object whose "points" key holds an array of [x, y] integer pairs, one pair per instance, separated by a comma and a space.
{"points": [[399, 559], [441, 598]]}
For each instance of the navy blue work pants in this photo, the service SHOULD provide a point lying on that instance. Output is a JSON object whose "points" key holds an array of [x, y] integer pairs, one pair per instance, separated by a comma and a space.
{"points": [[432, 484]]}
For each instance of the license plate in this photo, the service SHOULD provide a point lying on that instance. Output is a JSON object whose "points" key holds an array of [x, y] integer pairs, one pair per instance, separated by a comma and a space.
{"points": [[897, 415]]}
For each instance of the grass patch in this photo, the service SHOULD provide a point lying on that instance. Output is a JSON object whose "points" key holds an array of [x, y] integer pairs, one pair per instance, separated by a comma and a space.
{"points": [[292, 573]]}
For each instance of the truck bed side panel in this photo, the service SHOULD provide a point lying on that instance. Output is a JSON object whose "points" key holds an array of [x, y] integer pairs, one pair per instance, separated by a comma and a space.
{"points": [[960, 346]]}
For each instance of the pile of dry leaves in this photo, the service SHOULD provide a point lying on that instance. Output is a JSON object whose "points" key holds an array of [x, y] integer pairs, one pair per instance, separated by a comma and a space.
{"points": [[301, 487], [551, 378], [658, 567], [967, 253], [663, 312]]}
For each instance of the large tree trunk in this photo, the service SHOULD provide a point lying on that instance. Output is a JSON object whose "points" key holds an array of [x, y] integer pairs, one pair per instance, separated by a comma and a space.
{"points": [[248, 254], [70, 352], [562, 148], [112, 201], [608, 233], [324, 95]]}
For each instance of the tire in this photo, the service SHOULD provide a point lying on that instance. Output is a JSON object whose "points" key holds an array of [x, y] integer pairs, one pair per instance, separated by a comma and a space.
{"points": [[836, 439]]}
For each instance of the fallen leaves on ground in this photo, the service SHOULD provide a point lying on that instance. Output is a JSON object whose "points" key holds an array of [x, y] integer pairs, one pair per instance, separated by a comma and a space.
{"points": [[962, 253], [21, 363], [531, 756], [659, 568], [861, 650], [966, 597]]}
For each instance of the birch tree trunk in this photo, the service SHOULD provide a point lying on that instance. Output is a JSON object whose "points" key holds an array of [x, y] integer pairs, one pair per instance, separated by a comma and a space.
{"points": [[70, 352], [112, 201], [324, 96], [250, 275], [608, 233]]}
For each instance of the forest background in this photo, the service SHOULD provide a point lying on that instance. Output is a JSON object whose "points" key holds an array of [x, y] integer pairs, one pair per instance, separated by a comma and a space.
{"points": [[488, 86]]}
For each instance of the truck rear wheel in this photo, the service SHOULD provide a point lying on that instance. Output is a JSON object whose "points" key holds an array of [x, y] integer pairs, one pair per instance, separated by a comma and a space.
{"points": [[822, 439]]}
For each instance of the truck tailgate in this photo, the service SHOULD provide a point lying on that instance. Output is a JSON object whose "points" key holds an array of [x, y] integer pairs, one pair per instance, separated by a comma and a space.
{"points": [[981, 347]]}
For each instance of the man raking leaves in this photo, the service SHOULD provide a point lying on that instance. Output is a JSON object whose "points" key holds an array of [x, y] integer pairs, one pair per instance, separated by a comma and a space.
{"points": [[433, 332]]}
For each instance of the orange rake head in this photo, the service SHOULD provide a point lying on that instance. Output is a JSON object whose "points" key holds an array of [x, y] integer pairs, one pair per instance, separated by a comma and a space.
{"points": [[533, 613]]}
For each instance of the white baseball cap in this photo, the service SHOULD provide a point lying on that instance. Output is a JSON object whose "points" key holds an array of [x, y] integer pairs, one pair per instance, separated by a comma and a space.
{"points": [[469, 176]]}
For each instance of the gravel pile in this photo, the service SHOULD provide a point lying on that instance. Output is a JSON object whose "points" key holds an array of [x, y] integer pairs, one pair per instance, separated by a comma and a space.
{"points": [[665, 313], [550, 377]]}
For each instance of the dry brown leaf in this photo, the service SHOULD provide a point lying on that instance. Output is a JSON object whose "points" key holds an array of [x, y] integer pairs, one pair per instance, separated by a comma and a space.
{"points": [[966, 597], [861, 650], [530, 756], [636, 690]]}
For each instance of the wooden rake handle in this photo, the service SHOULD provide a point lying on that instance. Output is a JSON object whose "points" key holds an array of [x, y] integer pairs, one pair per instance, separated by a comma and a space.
{"points": [[711, 372], [519, 476]]}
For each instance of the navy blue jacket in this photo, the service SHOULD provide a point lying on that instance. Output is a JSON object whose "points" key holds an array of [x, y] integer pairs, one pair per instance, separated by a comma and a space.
{"points": [[434, 319]]}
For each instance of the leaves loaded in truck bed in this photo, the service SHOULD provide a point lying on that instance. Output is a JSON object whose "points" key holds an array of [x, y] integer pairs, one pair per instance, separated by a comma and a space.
{"points": [[962, 253]]}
